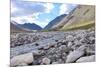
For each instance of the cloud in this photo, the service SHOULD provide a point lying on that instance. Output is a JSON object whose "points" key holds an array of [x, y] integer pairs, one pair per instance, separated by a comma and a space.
{"points": [[22, 8], [64, 9], [24, 19], [30, 19], [26, 8], [49, 7]]}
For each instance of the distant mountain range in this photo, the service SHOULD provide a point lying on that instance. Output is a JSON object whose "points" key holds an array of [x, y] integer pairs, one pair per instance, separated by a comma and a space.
{"points": [[31, 26], [82, 17], [27, 27], [15, 28]]}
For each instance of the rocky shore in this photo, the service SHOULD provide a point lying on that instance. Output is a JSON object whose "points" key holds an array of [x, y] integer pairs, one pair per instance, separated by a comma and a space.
{"points": [[42, 48]]}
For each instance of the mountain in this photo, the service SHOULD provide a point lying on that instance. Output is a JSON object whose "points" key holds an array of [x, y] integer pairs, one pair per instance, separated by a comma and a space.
{"points": [[31, 26], [82, 17], [14, 27], [55, 21]]}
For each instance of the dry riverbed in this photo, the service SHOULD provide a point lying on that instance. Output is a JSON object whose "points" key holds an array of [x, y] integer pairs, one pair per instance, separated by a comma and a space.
{"points": [[42, 48]]}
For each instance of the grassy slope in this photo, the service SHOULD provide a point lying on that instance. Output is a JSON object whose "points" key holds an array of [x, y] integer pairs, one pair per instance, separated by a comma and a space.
{"points": [[84, 18], [79, 25]]}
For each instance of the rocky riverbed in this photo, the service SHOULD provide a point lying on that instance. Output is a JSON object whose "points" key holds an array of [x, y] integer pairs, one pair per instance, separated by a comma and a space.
{"points": [[42, 48]]}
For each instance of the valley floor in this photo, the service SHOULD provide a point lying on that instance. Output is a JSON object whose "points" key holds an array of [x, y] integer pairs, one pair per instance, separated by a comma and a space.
{"points": [[42, 48]]}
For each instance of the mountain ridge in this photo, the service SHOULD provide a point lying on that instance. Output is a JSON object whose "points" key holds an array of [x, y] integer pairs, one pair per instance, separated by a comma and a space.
{"points": [[55, 21], [81, 15], [31, 26]]}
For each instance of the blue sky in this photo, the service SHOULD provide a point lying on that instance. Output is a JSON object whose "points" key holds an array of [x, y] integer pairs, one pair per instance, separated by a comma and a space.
{"points": [[37, 12]]}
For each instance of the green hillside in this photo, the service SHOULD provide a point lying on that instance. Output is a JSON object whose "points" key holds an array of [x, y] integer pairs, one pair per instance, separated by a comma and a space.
{"points": [[79, 25]]}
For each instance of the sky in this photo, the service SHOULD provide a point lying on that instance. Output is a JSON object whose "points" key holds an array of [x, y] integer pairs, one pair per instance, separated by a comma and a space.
{"points": [[37, 12]]}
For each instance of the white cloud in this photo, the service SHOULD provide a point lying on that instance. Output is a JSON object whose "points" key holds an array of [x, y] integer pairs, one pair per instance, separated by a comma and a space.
{"points": [[24, 19], [21, 8], [63, 9], [49, 7], [30, 19]]}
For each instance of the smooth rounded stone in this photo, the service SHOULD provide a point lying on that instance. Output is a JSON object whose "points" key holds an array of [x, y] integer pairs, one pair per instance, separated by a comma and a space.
{"points": [[69, 38], [24, 58], [70, 44], [37, 52], [92, 39], [73, 56], [64, 42], [46, 47], [62, 47], [86, 59], [46, 61]]}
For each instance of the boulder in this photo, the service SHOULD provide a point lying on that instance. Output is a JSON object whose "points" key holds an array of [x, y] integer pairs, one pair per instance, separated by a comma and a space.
{"points": [[20, 59], [37, 52], [86, 59], [46, 61], [46, 47], [62, 47], [73, 56], [70, 44], [69, 38]]}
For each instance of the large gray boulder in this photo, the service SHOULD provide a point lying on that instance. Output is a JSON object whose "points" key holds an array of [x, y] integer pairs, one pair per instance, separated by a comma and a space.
{"points": [[73, 56], [86, 59], [20, 59]]}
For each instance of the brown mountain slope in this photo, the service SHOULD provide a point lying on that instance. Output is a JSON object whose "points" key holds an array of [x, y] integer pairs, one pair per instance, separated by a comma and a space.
{"points": [[83, 16]]}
